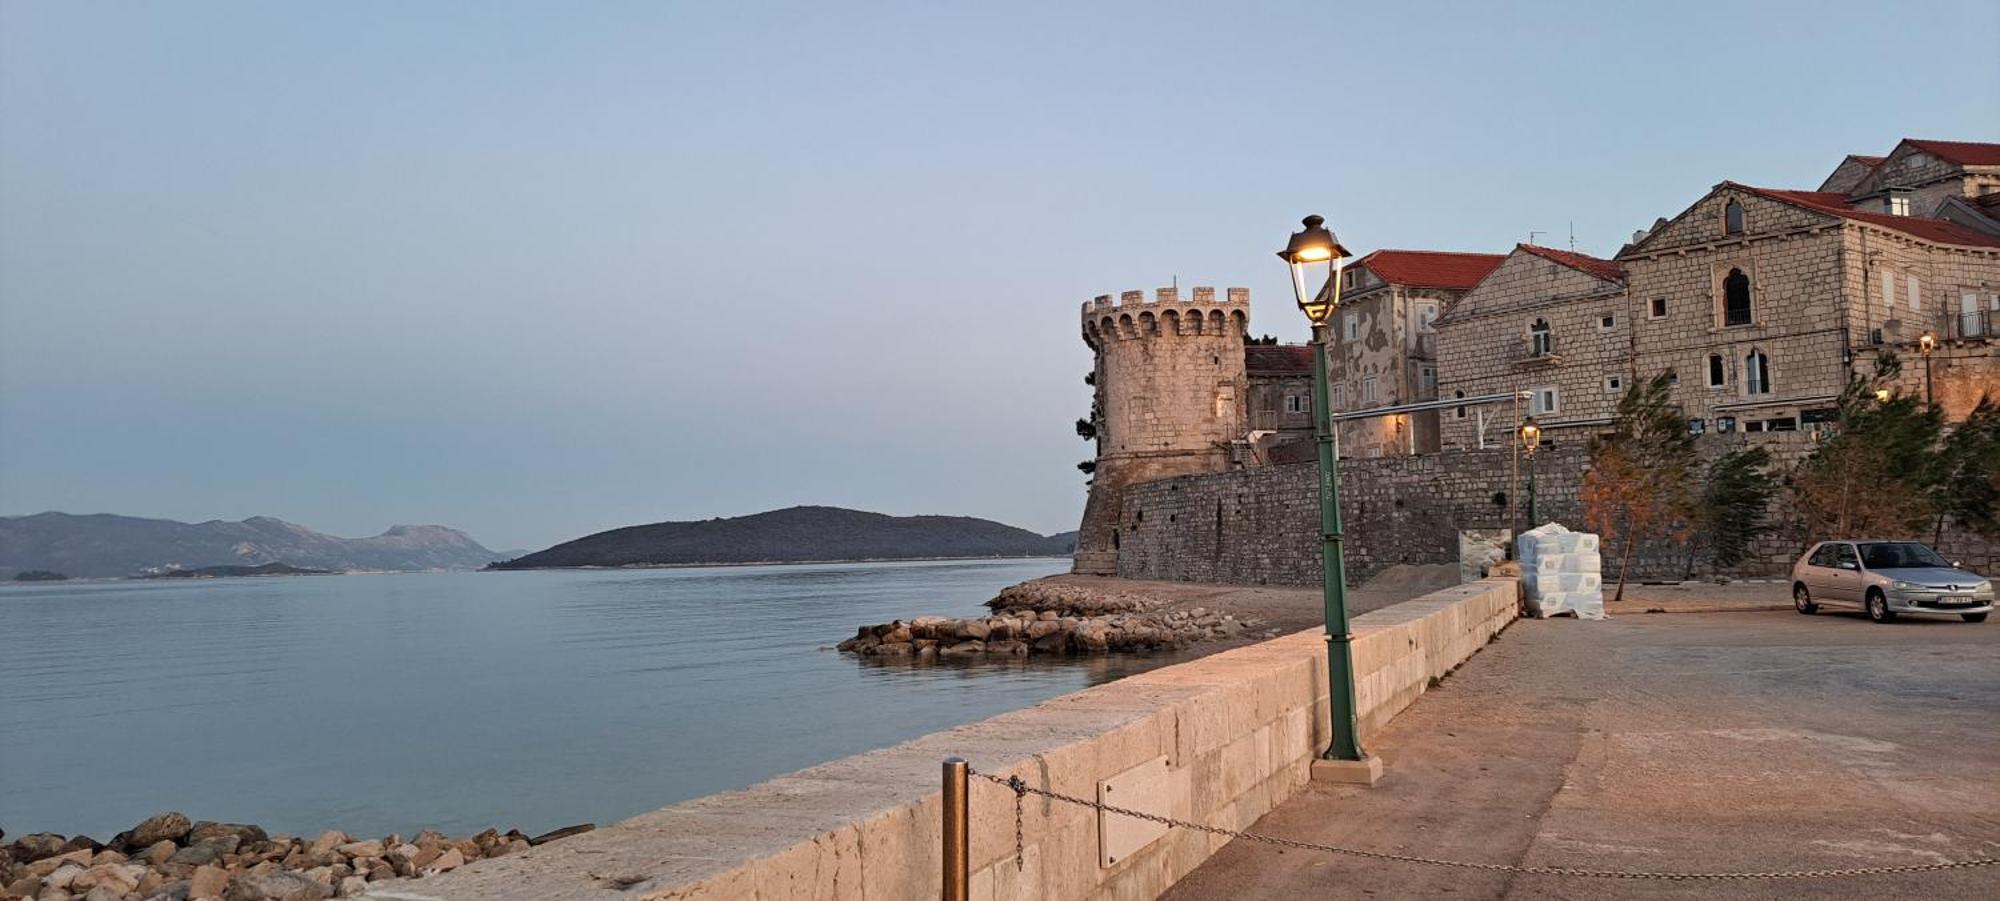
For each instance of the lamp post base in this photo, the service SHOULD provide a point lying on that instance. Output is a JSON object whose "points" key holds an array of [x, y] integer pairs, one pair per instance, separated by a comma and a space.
{"points": [[1366, 771]]}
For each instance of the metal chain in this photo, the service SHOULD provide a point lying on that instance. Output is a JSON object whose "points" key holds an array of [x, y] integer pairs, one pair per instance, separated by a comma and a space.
{"points": [[1020, 844], [1021, 789]]}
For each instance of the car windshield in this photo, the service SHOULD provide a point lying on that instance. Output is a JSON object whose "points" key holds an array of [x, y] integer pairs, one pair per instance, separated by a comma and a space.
{"points": [[1899, 555]]}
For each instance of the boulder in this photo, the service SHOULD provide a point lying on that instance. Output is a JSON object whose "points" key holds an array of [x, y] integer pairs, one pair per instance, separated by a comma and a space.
{"points": [[177, 891], [26, 886], [1052, 643], [973, 630], [965, 649], [900, 634], [248, 835], [446, 862], [361, 849], [1010, 647], [61, 877], [1042, 628], [31, 848], [208, 852], [104, 893], [351, 887], [208, 882], [327, 841], [895, 649], [81, 843], [171, 826], [276, 887], [159, 852]]}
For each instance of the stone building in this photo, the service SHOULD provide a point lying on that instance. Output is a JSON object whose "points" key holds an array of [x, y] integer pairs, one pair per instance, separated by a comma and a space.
{"points": [[1280, 398], [1762, 302], [1382, 349], [1551, 323]]}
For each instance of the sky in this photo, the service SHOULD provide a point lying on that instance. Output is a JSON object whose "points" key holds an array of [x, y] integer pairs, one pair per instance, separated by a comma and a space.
{"points": [[537, 270]]}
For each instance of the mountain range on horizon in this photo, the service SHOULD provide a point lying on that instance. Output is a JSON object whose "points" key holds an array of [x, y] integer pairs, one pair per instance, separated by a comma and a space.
{"points": [[797, 535], [100, 545]]}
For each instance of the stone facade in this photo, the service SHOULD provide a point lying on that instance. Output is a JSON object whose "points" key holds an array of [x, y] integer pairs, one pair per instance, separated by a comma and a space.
{"points": [[1551, 323], [1923, 174], [1823, 290], [1382, 344], [1170, 397], [1280, 400]]}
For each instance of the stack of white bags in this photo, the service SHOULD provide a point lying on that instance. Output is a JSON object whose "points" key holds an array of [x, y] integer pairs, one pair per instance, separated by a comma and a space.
{"points": [[1562, 571]]}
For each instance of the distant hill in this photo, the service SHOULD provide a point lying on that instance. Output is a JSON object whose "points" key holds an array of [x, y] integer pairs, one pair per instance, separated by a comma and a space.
{"points": [[101, 544], [794, 535]]}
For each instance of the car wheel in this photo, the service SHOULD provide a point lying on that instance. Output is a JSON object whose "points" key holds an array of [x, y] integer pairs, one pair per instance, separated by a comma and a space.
{"points": [[1973, 617], [1802, 599], [1878, 606]]}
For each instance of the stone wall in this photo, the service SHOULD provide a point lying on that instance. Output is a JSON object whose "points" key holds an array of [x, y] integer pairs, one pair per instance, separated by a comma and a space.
{"points": [[1261, 526], [1257, 526], [1236, 731]]}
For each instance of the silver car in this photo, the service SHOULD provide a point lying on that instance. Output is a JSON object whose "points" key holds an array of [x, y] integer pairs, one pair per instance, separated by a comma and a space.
{"points": [[1887, 578]]}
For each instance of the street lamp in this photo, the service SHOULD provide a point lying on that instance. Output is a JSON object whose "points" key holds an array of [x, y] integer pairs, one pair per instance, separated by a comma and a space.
{"points": [[1316, 259], [1926, 344], [1531, 441]]}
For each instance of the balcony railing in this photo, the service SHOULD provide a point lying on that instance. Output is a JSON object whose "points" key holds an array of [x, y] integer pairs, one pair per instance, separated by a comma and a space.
{"points": [[1974, 324]]}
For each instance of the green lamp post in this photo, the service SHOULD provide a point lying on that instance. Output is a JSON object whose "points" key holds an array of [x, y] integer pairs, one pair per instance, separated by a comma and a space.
{"points": [[1316, 260], [1531, 441]]}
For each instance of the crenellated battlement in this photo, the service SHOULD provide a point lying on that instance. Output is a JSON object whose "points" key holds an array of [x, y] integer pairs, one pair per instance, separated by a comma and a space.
{"points": [[1134, 315]]}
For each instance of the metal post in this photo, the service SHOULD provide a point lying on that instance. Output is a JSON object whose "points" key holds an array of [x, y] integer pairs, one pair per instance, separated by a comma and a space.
{"points": [[1532, 520], [1333, 565], [957, 831], [1927, 379]]}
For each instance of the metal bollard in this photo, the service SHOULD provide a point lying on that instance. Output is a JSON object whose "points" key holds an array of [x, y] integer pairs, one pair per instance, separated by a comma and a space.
{"points": [[957, 831]]}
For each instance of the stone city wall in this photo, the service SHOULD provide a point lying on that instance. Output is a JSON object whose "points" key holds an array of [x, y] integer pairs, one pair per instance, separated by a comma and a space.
{"points": [[1234, 734], [1261, 526]]}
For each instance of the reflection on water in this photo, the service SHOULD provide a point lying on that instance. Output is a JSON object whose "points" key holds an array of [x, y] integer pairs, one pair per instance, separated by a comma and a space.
{"points": [[464, 700]]}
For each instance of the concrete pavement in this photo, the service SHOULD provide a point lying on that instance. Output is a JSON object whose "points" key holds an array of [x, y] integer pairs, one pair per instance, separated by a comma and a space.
{"points": [[1698, 742]]}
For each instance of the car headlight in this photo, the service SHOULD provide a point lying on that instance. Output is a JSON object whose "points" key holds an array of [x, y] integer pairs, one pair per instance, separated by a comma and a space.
{"points": [[1906, 586], [1985, 589]]}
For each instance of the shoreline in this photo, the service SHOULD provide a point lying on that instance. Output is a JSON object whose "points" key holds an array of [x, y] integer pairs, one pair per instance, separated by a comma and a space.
{"points": [[712, 565]]}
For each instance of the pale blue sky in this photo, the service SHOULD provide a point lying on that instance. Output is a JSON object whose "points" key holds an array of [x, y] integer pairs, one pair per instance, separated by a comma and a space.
{"points": [[534, 270]]}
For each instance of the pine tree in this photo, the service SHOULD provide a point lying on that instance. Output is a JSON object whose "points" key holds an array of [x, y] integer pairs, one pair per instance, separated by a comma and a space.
{"points": [[1637, 487], [1730, 512], [1877, 475]]}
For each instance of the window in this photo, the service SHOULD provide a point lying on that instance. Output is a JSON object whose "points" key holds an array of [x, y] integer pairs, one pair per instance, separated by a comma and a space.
{"points": [[1697, 426], [1889, 289], [1659, 308], [1673, 377], [1541, 342], [1899, 204], [1352, 323], [1754, 425], [1736, 298], [1732, 219], [1460, 413], [1297, 403], [1428, 377], [1338, 399], [1823, 555], [1715, 373], [1368, 390], [1725, 424], [1544, 401], [1614, 383], [1607, 323], [1756, 373], [1916, 296], [1784, 424], [1427, 314]]}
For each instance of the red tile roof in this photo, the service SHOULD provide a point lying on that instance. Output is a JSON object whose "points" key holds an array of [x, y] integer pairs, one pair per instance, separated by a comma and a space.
{"points": [[1431, 268], [1937, 230], [1278, 359], [1604, 269], [1964, 153], [1866, 160]]}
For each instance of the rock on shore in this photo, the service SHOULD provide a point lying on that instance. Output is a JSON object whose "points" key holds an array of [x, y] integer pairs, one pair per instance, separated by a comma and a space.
{"points": [[167, 857], [1041, 617]]}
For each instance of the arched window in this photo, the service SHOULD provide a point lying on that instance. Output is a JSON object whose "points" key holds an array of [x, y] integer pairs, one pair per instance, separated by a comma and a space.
{"points": [[1541, 341], [1736, 298], [1757, 373], [1732, 219]]}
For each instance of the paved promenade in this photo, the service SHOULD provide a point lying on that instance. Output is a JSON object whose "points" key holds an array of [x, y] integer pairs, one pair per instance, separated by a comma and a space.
{"points": [[1736, 741]]}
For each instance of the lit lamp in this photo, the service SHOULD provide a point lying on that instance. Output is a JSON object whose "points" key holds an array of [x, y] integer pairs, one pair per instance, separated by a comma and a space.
{"points": [[1926, 344], [1531, 441], [1316, 258]]}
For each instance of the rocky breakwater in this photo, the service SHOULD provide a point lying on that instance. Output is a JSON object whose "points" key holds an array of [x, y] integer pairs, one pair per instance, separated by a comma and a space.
{"points": [[169, 858], [1042, 617]]}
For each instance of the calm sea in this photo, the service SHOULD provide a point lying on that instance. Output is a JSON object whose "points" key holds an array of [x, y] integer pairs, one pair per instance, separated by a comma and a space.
{"points": [[459, 701]]}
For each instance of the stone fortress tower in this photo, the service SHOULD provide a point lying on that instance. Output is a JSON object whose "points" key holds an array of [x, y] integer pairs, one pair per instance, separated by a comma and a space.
{"points": [[1171, 390]]}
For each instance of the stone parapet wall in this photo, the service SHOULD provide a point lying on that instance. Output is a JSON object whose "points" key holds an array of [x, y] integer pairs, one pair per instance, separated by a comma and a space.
{"points": [[1237, 731]]}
